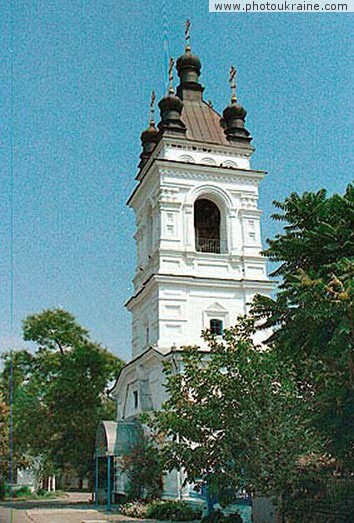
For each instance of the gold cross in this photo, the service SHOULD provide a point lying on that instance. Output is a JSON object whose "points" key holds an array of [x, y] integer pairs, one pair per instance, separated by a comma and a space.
{"points": [[170, 75], [232, 81], [152, 108], [187, 31]]}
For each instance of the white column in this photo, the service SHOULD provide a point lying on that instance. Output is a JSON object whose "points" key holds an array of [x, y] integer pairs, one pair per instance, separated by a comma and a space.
{"points": [[188, 228]]}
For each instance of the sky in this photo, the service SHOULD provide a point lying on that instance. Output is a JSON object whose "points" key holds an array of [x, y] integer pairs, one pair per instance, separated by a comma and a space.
{"points": [[76, 82]]}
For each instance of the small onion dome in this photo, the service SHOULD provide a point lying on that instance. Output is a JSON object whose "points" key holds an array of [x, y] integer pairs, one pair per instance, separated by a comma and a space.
{"points": [[170, 110], [188, 67], [149, 139], [233, 122]]}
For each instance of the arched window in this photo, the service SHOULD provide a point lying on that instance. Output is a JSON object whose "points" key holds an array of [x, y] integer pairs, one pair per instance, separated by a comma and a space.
{"points": [[216, 327], [207, 226]]}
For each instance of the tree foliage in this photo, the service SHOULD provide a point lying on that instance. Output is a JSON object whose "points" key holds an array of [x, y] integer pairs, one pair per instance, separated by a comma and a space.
{"points": [[255, 418], [59, 392], [4, 438], [236, 418], [54, 329], [312, 315], [143, 468]]}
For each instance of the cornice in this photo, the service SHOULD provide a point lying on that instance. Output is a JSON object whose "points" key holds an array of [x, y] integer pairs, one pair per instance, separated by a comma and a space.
{"points": [[196, 171], [206, 281]]}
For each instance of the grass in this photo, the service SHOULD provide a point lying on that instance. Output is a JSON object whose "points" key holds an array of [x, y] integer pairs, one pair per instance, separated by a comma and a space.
{"points": [[44, 494]]}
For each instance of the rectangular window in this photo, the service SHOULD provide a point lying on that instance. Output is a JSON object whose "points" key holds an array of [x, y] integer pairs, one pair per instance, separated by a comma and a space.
{"points": [[216, 327], [136, 399]]}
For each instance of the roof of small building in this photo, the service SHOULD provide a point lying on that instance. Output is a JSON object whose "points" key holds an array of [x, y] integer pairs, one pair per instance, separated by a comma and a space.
{"points": [[106, 438]]}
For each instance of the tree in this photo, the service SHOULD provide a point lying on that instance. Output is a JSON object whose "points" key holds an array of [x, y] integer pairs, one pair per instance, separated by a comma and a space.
{"points": [[59, 392], [235, 419], [54, 329], [312, 315], [4, 439], [143, 468]]}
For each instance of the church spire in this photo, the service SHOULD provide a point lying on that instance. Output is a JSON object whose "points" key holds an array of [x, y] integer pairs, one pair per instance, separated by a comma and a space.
{"points": [[187, 34], [234, 115], [171, 108], [170, 76], [149, 137], [232, 81], [188, 68]]}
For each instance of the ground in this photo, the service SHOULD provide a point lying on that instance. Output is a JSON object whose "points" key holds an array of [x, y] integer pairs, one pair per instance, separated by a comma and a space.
{"points": [[75, 508]]}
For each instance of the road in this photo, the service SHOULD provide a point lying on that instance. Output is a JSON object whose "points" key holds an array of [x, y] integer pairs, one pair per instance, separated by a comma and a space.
{"points": [[74, 508]]}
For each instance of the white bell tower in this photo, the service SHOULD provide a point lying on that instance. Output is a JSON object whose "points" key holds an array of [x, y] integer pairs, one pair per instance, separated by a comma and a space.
{"points": [[197, 220]]}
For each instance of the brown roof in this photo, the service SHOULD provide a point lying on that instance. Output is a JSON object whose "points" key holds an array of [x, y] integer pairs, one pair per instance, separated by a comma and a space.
{"points": [[203, 122]]}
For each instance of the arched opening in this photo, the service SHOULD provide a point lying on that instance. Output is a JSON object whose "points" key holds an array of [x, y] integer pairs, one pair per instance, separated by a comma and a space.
{"points": [[207, 220]]}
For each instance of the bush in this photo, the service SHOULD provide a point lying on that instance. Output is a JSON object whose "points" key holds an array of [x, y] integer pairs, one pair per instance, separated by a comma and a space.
{"points": [[134, 509], [3, 489], [172, 510], [22, 492], [143, 468], [219, 517]]}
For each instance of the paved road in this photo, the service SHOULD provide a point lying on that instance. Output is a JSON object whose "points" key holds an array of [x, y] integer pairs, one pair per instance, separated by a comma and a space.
{"points": [[13, 516], [74, 508]]}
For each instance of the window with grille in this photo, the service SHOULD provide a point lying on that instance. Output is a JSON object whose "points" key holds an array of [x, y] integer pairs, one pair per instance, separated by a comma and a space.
{"points": [[207, 227]]}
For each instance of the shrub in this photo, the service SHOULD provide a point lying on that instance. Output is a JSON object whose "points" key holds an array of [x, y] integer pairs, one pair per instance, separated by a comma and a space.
{"points": [[172, 510], [134, 509], [143, 468], [3, 489], [219, 517], [22, 492]]}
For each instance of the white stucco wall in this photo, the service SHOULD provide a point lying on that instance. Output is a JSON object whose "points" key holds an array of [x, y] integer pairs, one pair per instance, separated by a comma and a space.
{"points": [[177, 287]]}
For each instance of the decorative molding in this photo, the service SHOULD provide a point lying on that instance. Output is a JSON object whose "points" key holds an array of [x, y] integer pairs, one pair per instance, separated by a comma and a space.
{"points": [[208, 161], [186, 158], [249, 203], [212, 192], [217, 177], [230, 163], [212, 148]]}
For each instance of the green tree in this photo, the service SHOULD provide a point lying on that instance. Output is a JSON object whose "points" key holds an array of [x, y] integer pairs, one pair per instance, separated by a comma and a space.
{"points": [[235, 418], [59, 392], [312, 314], [4, 438], [143, 467], [54, 329]]}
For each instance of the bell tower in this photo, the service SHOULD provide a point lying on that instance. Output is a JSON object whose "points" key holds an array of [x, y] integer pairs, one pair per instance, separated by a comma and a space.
{"points": [[197, 219]]}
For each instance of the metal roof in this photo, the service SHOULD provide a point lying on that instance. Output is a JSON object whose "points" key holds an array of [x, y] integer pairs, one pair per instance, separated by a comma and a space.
{"points": [[203, 122], [106, 438]]}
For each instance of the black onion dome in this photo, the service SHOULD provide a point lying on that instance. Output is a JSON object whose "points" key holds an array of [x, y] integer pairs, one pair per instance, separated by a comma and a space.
{"points": [[171, 102], [188, 67], [150, 134], [233, 122], [234, 111], [149, 139], [171, 107], [190, 61]]}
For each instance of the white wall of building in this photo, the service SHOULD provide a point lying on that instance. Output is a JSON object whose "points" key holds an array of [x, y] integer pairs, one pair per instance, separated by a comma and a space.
{"points": [[177, 287]]}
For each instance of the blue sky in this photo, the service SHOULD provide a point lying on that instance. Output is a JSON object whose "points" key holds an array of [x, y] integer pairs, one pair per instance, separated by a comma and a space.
{"points": [[83, 71]]}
